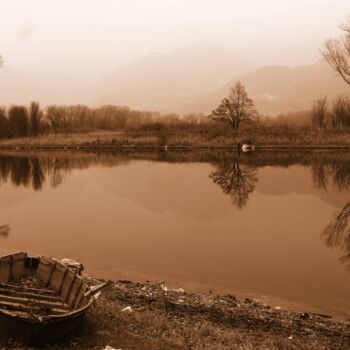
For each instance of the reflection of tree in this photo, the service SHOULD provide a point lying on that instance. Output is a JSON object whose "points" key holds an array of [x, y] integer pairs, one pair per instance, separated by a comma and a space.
{"points": [[38, 176], [341, 175], [337, 234], [56, 171], [23, 171], [319, 174], [20, 174], [336, 172], [236, 180], [4, 230]]}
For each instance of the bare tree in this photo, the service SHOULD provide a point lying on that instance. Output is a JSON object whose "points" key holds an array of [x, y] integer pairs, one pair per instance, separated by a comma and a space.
{"points": [[340, 115], [337, 234], [235, 108], [319, 112], [54, 118], [35, 116], [18, 121], [337, 52]]}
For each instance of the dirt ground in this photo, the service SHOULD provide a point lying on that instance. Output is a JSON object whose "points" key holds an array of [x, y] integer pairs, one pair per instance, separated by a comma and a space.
{"points": [[135, 316]]}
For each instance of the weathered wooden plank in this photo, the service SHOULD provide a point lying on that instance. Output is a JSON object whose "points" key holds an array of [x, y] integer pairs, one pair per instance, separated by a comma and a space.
{"points": [[63, 279], [44, 269], [31, 309], [5, 269], [18, 266], [67, 284], [56, 277], [80, 298], [74, 290], [76, 295], [20, 293], [16, 313], [26, 301], [27, 289]]}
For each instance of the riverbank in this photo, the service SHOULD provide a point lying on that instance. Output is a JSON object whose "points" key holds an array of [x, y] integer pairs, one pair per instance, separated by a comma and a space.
{"points": [[156, 317], [262, 139]]}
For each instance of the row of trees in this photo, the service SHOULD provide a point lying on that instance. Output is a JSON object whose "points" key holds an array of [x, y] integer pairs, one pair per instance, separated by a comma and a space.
{"points": [[22, 121], [19, 121], [335, 115], [238, 108]]}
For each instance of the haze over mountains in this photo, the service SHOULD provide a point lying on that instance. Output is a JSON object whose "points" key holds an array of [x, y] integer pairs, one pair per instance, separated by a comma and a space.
{"points": [[166, 82], [189, 79], [279, 89]]}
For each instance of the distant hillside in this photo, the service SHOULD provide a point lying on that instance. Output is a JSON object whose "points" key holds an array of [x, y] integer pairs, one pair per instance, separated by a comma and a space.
{"points": [[18, 87], [166, 82], [21, 88], [279, 89], [190, 79]]}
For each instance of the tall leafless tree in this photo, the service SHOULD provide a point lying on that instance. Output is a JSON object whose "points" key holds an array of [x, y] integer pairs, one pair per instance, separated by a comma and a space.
{"points": [[54, 117], [235, 108], [35, 116], [319, 112], [337, 52], [340, 114]]}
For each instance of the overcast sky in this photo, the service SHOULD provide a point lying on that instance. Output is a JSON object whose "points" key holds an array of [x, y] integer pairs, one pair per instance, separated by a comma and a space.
{"points": [[89, 38]]}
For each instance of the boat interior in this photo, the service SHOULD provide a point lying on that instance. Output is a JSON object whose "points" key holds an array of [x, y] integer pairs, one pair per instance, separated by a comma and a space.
{"points": [[37, 288]]}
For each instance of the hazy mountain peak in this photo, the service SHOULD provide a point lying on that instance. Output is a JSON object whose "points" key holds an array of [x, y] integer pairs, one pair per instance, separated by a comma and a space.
{"points": [[166, 81]]}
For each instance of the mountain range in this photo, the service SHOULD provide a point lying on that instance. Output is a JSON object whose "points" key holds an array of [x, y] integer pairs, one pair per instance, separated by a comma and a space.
{"points": [[191, 79], [279, 90]]}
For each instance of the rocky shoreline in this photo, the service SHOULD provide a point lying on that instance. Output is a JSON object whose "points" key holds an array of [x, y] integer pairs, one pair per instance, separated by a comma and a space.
{"points": [[138, 316]]}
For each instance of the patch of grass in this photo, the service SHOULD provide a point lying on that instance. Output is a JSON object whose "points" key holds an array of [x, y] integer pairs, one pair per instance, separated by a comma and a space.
{"points": [[191, 137]]}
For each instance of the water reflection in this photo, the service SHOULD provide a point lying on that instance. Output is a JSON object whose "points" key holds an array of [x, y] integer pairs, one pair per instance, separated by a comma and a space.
{"points": [[335, 171], [236, 180], [237, 176], [33, 171], [337, 234], [267, 208], [4, 230]]}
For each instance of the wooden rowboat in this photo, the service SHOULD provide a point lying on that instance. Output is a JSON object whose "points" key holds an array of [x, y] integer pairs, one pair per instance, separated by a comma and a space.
{"points": [[41, 299]]}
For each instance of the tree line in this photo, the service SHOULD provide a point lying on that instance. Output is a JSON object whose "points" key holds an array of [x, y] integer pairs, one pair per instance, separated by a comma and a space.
{"points": [[32, 120], [334, 114]]}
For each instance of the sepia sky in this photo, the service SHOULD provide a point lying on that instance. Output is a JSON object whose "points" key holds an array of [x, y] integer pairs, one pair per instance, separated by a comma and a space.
{"points": [[89, 38]]}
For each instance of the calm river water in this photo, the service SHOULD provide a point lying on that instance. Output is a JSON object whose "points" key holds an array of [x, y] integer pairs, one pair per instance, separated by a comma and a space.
{"points": [[272, 226]]}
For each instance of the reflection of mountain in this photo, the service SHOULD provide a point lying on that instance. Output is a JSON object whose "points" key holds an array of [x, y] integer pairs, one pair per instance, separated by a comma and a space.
{"points": [[295, 181], [337, 234], [161, 187]]}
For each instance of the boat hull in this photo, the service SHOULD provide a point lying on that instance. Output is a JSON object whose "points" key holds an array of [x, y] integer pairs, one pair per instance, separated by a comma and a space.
{"points": [[41, 299], [38, 333]]}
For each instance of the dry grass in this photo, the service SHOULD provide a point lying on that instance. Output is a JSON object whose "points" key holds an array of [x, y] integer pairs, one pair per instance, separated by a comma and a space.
{"points": [[202, 137], [159, 321]]}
